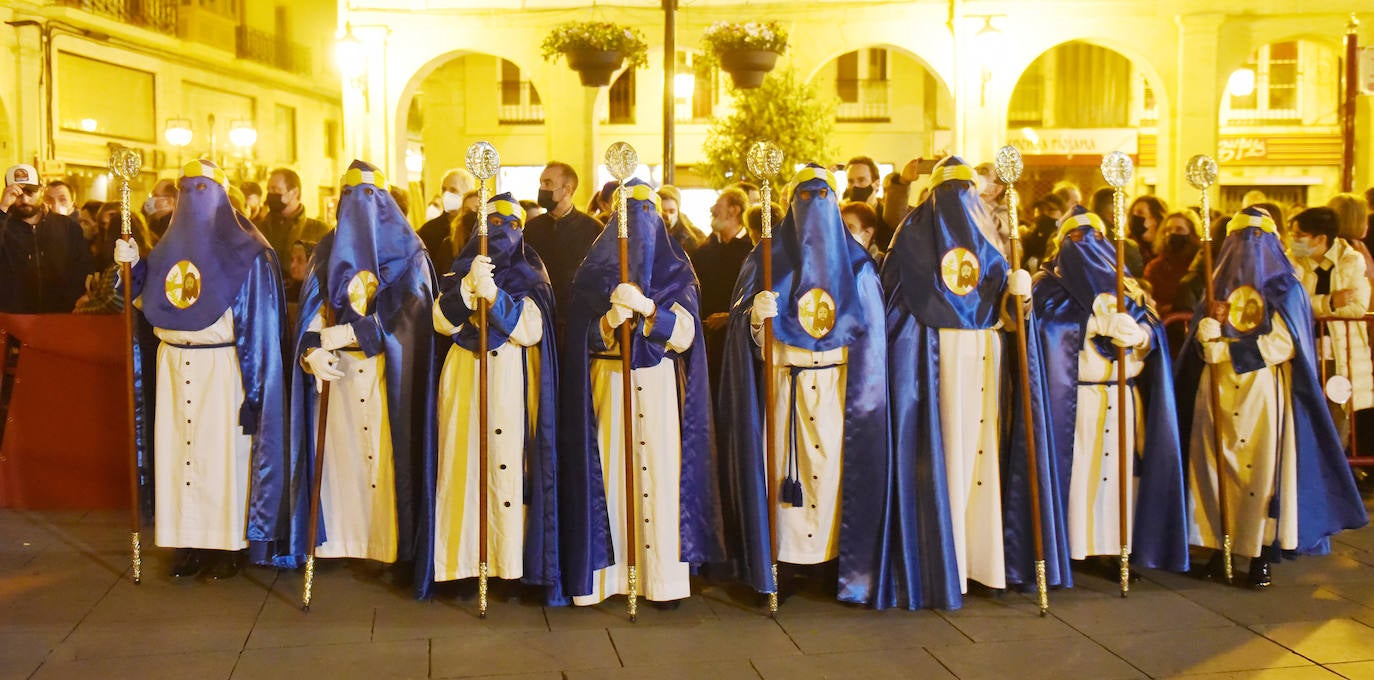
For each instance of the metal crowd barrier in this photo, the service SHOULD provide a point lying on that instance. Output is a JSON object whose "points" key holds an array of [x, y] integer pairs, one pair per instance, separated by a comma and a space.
{"points": [[1341, 396]]}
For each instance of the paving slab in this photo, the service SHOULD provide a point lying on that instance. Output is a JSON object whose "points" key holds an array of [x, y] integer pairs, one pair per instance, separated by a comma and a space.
{"points": [[497, 653], [1334, 641], [1138, 613], [611, 614], [672, 645], [408, 619], [897, 664], [1277, 605], [735, 669], [206, 666], [1006, 620], [1034, 660], [876, 631], [1191, 651], [1360, 670], [1295, 673], [377, 661]]}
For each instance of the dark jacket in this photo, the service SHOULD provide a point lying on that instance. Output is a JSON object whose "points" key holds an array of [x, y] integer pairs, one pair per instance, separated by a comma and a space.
{"points": [[562, 244], [43, 268], [282, 231]]}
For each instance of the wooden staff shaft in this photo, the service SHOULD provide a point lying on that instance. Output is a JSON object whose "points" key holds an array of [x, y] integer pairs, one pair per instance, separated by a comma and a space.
{"points": [[1122, 392], [1027, 412], [483, 420], [770, 445], [135, 497], [321, 428], [1218, 455], [628, 418]]}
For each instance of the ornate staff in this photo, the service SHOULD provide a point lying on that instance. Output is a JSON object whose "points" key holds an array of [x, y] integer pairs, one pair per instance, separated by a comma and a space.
{"points": [[622, 160], [1009, 168], [125, 164], [482, 162], [321, 427], [1117, 170], [1201, 172], [765, 161]]}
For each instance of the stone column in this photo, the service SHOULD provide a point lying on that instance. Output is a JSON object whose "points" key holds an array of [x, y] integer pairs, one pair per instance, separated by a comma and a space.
{"points": [[1190, 126]]}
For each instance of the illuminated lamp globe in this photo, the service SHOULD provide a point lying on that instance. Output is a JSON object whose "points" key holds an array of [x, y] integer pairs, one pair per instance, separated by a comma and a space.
{"points": [[178, 132], [1241, 83], [242, 134]]}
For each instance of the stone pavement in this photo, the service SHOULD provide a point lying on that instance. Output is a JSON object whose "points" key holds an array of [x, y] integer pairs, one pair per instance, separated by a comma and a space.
{"points": [[67, 612]]}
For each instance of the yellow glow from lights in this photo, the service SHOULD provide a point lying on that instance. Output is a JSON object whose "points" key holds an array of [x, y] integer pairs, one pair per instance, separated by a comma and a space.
{"points": [[89, 124], [242, 134], [1241, 83], [178, 132], [684, 85]]}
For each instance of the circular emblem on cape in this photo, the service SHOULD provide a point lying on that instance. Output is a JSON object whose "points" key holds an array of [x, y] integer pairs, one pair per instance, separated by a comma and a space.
{"points": [[816, 311], [1247, 309], [360, 291], [1104, 304], [183, 284], [960, 270]]}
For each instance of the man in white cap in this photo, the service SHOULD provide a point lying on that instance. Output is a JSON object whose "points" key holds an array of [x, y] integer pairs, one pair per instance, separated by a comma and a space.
{"points": [[43, 255]]}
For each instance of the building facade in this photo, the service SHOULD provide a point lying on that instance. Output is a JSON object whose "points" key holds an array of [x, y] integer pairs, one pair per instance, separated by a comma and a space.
{"points": [[87, 75]]}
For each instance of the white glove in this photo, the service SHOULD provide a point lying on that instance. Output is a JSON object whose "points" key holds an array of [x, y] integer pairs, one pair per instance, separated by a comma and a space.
{"points": [[618, 315], [479, 280], [321, 364], [628, 295], [1208, 330], [1123, 330], [126, 252], [765, 307], [1019, 283], [338, 336]]}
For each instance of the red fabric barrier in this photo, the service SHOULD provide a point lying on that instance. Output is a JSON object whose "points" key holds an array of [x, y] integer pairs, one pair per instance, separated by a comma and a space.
{"points": [[66, 432]]}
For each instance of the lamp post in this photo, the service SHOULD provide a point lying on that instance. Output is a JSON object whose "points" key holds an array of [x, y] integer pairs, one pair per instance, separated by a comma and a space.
{"points": [[669, 73], [1351, 93], [178, 133], [243, 135]]}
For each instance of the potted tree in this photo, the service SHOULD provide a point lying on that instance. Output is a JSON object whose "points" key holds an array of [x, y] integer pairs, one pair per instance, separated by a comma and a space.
{"points": [[595, 49], [746, 51]]}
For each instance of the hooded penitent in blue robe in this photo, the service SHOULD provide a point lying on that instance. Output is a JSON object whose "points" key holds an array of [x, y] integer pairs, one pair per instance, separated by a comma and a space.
{"points": [[1327, 499], [925, 294], [812, 250], [520, 279], [1084, 268], [236, 271], [659, 267], [374, 244]]}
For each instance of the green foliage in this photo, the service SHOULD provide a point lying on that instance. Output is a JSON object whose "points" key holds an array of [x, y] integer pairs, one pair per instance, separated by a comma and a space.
{"points": [[597, 35], [723, 36], [783, 110]]}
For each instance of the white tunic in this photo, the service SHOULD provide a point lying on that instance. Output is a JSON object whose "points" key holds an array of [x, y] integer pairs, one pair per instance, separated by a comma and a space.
{"points": [[201, 457], [657, 429], [809, 534], [358, 482], [457, 520], [970, 422], [1257, 442], [1094, 482]]}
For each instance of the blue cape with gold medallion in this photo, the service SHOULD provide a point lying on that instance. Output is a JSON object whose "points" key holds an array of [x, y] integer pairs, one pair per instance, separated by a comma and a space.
{"points": [[943, 273], [1254, 274], [210, 261], [373, 273], [829, 297], [1084, 270]]}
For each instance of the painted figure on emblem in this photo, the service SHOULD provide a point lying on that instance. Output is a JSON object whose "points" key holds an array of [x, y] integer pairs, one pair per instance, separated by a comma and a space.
{"points": [[957, 423], [522, 384], [365, 329], [211, 290], [831, 474], [1080, 332], [676, 516], [1287, 485]]}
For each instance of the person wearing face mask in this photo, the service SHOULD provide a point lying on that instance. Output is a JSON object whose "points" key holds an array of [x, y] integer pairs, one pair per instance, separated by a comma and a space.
{"points": [[717, 263], [159, 206], [1334, 275], [44, 258], [58, 197], [1144, 218], [285, 221], [1179, 243], [562, 235], [456, 184], [679, 227]]}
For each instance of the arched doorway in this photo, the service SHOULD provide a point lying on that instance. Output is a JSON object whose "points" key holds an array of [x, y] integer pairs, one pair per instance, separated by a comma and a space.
{"points": [[1279, 127], [1076, 102]]}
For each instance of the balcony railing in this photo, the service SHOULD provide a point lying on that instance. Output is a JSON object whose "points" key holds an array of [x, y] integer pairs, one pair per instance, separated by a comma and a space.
{"points": [[862, 101], [520, 103], [270, 50], [156, 15]]}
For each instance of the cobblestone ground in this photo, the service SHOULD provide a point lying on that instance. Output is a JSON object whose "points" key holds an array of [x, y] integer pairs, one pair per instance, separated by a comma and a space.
{"points": [[67, 611]]}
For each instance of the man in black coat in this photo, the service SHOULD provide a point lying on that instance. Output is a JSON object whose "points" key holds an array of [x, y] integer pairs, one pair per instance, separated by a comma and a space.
{"points": [[44, 259], [717, 263], [562, 235]]}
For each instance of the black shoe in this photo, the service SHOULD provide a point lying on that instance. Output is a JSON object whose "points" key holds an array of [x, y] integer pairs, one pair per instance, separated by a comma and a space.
{"points": [[225, 565], [1259, 574], [976, 588], [1213, 570], [189, 562], [668, 606]]}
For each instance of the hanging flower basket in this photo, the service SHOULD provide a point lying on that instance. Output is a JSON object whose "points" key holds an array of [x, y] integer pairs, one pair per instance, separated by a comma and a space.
{"points": [[595, 49], [746, 51]]}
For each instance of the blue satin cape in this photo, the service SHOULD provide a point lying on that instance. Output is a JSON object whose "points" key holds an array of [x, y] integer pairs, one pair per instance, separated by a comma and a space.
{"points": [[1328, 501], [1085, 268], [924, 571], [812, 248], [660, 268]]}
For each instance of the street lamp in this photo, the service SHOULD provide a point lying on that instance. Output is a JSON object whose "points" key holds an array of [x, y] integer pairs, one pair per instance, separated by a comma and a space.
{"points": [[243, 135], [1241, 83], [350, 55], [178, 133]]}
